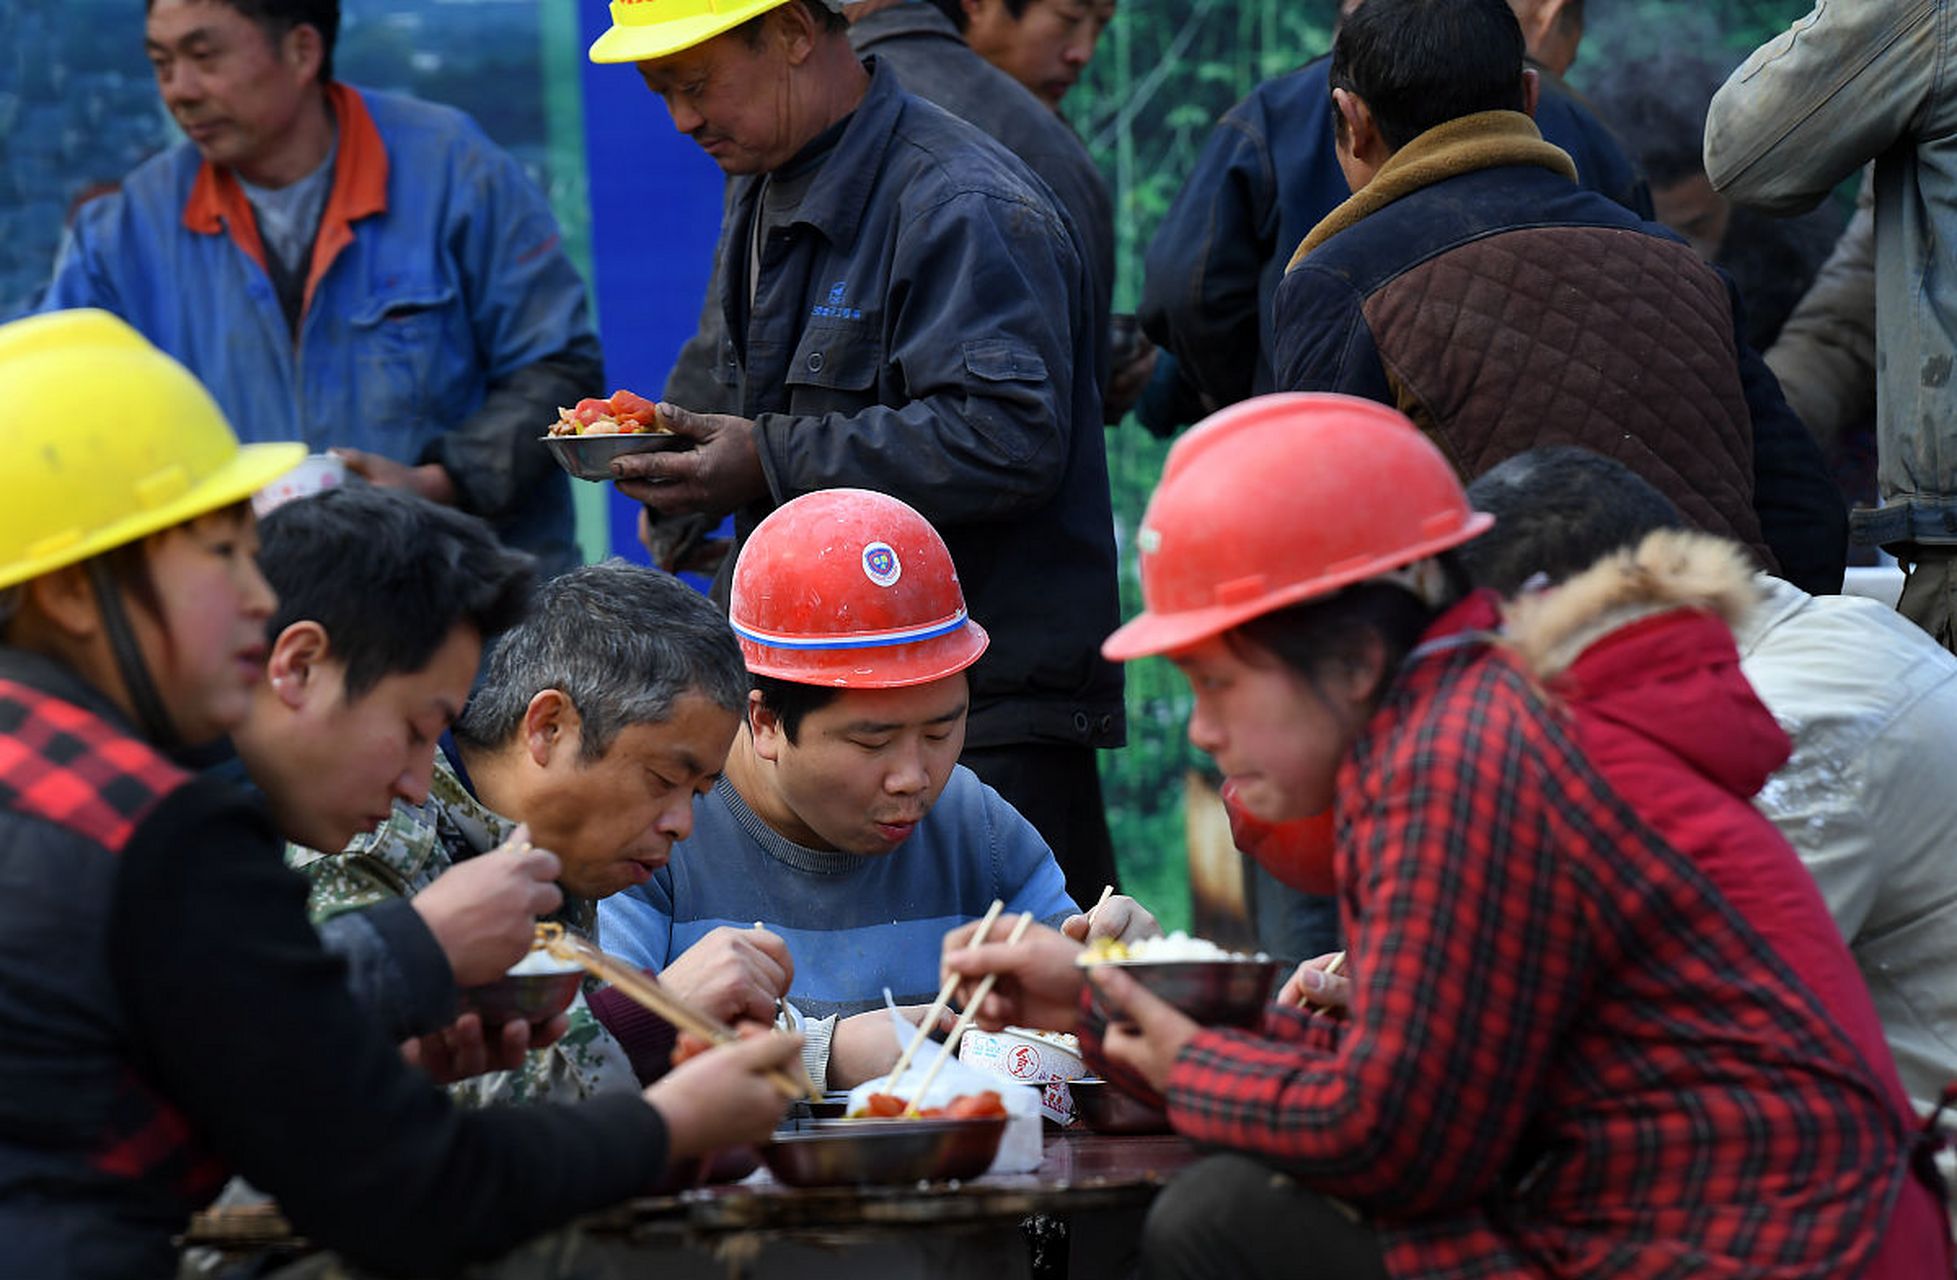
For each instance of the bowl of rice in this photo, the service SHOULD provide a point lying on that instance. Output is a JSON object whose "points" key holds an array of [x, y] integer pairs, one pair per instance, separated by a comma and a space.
{"points": [[1214, 986], [535, 989]]}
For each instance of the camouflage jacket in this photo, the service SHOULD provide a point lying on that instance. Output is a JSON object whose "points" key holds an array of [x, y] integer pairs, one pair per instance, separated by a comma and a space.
{"points": [[404, 856]]}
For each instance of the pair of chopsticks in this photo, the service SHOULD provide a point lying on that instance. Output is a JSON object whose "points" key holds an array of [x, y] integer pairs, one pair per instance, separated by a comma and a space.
{"points": [[640, 988], [965, 1019], [938, 1006]]}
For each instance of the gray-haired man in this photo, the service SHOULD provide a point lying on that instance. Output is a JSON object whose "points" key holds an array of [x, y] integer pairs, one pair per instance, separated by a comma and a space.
{"points": [[599, 719]]}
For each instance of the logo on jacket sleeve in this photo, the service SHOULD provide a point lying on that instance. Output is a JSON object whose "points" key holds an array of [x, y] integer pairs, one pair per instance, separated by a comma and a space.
{"points": [[881, 565], [834, 307]]}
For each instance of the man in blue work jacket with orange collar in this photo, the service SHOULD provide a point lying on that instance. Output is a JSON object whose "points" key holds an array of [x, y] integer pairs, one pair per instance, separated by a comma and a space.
{"points": [[354, 269]]}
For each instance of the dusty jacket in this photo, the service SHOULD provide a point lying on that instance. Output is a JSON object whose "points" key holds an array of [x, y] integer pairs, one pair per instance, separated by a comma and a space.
{"points": [[1866, 800], [920, 328], [1846, 84], [442, 321], [1639, 651], [1476, 287]]}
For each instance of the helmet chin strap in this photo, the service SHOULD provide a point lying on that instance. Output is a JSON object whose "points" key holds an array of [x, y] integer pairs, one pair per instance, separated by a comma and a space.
{"points": [[151, 717]]}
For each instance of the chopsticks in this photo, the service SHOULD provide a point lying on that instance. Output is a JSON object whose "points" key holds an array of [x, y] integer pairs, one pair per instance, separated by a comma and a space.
{"points": [[939, 1005], [1107, 891], [643, 990], [965, 1019]]}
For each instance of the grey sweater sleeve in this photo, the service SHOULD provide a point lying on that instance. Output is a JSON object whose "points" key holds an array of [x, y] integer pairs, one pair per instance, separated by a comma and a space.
{"points": [[396, 970]]}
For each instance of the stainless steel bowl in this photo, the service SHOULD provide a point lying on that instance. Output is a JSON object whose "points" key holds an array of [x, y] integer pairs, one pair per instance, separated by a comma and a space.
{"points": [[1105, 1109], [1216, 993], [851, 1153], [590, 457], [532, 997]]}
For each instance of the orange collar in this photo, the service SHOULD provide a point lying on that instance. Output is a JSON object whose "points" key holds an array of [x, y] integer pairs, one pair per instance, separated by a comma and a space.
{"points": [[217, 203]]}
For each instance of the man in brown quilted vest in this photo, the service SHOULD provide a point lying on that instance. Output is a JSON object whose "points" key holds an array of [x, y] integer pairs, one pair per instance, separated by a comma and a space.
{"points": [[1472, 284]]}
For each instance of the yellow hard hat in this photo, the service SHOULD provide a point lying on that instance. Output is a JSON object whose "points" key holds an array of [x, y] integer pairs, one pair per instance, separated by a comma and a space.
{"points": [[106, 440], [643, 29]]}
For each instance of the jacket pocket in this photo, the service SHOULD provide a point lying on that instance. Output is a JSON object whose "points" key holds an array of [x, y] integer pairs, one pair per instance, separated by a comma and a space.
{"points": [[403, 354], [1001, 360], [833, 370]]}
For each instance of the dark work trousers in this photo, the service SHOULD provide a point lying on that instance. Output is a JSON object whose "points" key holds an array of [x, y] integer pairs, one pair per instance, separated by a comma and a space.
{"points": [[1231, 1218], [1058, 790]]}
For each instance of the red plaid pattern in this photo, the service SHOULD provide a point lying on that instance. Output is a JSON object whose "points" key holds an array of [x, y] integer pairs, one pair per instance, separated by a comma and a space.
{"points": [[67, 765], [1565, 1055], [70, 767]]}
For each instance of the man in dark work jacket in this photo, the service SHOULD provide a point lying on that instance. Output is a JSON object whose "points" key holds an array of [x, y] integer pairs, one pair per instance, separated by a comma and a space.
{"points": [[916, 40], [907, 312]]}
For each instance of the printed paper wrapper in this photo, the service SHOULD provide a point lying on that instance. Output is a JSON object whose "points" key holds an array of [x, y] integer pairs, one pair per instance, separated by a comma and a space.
{"points": [[1028, 1057]]}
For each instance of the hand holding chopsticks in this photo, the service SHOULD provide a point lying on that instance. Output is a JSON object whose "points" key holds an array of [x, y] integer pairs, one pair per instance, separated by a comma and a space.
{"points": [[644, 990], [964, 1021]]}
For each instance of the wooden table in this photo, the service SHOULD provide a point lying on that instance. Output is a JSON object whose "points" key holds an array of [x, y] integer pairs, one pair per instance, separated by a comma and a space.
{"points": [[1076, 1216]]}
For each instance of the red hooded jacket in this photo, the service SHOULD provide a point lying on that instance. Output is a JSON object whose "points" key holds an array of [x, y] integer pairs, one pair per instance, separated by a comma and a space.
{"points": [[1640, 652]]}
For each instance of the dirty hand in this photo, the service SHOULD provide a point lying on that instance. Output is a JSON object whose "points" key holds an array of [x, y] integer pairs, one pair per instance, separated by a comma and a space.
{"points": [[483, 910], [1312, 986], [463, 1049], [1119, 917], [732, 974], [863, 1048], [720, 473], [722, 1097], [1039, 983], [430, 480], [1145, 1032]]}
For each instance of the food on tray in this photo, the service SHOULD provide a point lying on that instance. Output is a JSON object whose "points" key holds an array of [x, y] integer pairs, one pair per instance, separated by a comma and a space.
{"points": [[972, 1106], [1177, 946], [624, 413], [541, 961], [1058, 1039]]}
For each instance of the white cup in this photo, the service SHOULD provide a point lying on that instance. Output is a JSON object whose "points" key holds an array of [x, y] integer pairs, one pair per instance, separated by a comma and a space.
{"points": [[317, 473]]}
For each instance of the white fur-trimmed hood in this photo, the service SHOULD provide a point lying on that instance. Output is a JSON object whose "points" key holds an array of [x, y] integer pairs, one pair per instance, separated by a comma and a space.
{"points": [[1670, 569]]}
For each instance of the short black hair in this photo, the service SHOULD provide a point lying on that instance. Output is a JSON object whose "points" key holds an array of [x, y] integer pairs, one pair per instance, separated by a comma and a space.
{"points": [[1421, 63], [790, 702], [389, 576], [1558, 510], [276, 17], [955, 10], [825, 19]]}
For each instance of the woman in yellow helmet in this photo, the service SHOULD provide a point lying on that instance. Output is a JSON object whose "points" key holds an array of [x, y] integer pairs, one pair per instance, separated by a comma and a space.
{"points": [[167, 1015]]}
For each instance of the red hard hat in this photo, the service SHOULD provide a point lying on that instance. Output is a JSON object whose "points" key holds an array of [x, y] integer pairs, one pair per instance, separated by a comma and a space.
{"points": [[853, 589], [1282, 499]]}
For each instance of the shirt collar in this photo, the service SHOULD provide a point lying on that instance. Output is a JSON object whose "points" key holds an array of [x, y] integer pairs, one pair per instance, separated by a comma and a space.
{"points": [[217, 203]]}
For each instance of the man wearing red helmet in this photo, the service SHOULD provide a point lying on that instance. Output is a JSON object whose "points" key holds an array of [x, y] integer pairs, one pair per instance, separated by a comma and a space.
{"points": [[843, 819], [1565, 1053]]}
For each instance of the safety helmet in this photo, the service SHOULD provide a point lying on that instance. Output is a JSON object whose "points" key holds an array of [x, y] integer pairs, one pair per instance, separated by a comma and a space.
{"points": [[1282, 499], [851, 589], [643, 29], [107, 440]]}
